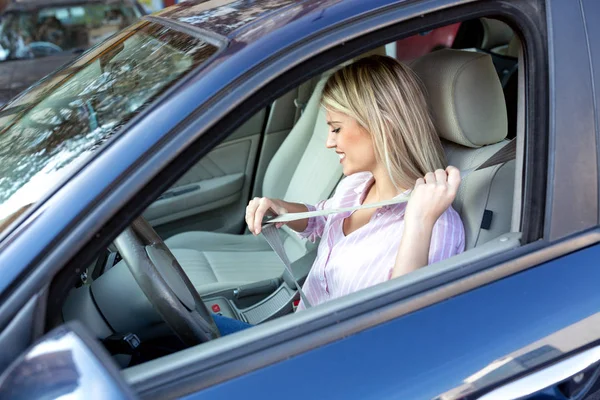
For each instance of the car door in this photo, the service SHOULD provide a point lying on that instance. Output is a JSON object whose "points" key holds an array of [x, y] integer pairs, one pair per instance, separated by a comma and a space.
{"points": [[522, 324], [529, 327], [519, 336]]}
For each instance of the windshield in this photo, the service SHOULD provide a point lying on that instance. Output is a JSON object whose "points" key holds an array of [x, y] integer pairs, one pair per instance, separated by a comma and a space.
{"points": [[50, 30], [56, 125]]}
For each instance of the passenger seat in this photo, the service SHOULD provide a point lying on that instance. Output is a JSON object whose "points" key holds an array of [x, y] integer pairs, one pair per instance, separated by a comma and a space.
{"points": [[468, 108], [302, 170]]}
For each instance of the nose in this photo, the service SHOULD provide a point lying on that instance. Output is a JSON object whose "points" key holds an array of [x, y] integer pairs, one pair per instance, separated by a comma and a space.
{"points": [[330, 143]]}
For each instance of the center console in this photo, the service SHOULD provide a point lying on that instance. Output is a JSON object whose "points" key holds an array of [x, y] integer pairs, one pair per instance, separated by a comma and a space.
{"points": [[227, 303], [261, 301]]}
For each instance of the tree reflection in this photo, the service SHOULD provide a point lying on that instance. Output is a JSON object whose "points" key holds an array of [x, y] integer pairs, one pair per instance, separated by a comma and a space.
{"points": [[86, 109]]}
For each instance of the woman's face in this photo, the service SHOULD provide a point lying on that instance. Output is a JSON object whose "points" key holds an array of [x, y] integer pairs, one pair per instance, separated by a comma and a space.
{"points": [[351, 142]]}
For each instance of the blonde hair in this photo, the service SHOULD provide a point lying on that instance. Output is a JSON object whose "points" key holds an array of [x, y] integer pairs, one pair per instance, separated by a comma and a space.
{"points": [[386, 98]]}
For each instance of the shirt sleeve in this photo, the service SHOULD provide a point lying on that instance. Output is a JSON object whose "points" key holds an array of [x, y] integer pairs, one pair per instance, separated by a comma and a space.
{"points": [[316, 225], [447, 237]]}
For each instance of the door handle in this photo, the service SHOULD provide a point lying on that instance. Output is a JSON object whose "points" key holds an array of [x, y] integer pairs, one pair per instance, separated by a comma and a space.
{"points": [[546, 377], [178, 192]]}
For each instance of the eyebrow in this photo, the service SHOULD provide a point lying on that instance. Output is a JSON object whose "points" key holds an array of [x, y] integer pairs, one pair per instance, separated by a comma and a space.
{"points": [[333, 122]]}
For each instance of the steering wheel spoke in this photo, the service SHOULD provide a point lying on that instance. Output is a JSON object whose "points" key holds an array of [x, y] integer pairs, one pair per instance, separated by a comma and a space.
{"points": [[165, 284]]}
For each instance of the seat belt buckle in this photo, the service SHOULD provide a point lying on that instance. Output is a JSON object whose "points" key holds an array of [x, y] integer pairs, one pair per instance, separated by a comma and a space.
{"points": [[299, 105], [269, 215], [295, 305]]}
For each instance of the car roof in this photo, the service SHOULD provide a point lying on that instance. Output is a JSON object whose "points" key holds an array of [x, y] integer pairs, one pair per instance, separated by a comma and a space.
{"points": [[249, 19], [24, 5]]}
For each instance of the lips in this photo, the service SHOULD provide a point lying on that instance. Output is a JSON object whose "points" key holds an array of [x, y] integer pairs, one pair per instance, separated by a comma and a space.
{"points": [[341, 155]]}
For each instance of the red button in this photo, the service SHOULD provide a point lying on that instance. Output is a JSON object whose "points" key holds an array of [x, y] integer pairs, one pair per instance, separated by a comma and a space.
{"points": [[216, 308]]}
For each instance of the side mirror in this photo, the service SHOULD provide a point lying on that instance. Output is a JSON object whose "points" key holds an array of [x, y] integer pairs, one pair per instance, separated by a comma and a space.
{"points": [[66, 361]]}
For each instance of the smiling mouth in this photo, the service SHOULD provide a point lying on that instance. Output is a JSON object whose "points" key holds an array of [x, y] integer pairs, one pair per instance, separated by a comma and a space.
{"points": [[341, 155]]}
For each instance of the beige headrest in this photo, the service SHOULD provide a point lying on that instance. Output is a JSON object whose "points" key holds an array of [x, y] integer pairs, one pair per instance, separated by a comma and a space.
{"points": [[495, 33], [465, 95], [513, 47]]}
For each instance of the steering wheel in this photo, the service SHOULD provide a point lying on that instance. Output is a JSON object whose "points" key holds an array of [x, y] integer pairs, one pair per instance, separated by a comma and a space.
{"points": [[165, 284]]}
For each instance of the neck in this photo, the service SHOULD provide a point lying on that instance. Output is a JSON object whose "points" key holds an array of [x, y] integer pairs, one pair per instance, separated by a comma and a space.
{"points": [[383, 188]]}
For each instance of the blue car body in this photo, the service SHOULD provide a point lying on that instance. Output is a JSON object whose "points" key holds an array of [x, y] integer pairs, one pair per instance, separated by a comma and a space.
{"points": [[519, 312]]}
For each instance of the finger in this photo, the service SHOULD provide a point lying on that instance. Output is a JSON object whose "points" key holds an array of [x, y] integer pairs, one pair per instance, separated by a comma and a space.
{"points": [[419, 182], [250, 221], [264, 205], [440, 176], [453, 177], [430, 177], [250, 211]]}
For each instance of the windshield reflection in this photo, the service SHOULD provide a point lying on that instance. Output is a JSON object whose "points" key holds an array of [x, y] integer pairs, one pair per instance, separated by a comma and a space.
{"points": [[52, 129]]}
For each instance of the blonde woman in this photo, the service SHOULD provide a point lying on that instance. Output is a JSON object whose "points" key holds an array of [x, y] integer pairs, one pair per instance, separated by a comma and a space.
{"points": [[380, 127]]}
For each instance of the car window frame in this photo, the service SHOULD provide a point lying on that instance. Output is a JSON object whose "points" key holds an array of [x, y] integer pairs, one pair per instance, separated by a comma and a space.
{"points": [[293, 77]]}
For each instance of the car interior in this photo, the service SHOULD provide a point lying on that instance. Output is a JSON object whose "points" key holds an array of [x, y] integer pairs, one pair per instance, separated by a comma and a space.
{"points": [[473, 91]]}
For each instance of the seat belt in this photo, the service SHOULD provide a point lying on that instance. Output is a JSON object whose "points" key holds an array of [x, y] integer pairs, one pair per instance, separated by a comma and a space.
{"points": [[272, 237], [304, 92], [270, 232]]}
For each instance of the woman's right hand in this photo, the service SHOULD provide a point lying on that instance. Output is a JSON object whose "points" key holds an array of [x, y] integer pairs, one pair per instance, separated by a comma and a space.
{"points": [[256, 210]]}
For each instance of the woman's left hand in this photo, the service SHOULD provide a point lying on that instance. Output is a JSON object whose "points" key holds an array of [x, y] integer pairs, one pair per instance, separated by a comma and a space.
{"points": [[432, 195]]}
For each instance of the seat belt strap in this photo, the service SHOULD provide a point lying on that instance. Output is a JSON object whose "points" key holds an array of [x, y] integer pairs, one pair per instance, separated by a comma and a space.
{"points": [[271, 234], [304, 92], [505, 154]]}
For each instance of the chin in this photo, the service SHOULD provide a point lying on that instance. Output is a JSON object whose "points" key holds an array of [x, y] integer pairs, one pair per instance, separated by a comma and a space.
{"points": [[349, 171]]}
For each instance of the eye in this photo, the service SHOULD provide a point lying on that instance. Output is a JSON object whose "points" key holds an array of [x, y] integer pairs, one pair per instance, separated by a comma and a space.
{"points": [[336, 130]]}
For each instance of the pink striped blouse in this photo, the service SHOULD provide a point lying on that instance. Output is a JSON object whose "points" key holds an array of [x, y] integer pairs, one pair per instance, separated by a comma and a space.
{"points": [[366, 257]]}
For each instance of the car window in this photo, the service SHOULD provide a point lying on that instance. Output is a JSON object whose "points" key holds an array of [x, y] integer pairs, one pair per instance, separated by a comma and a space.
{"points": [[50, 30], [190, 204], [52, 128]]}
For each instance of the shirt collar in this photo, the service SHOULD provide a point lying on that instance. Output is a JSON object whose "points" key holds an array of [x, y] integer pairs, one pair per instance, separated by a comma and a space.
{"points": [[360, 189]]}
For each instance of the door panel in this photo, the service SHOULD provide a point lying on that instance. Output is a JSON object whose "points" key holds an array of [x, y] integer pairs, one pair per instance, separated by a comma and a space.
{"points": [[458, 348], [210, 194], [213, 194], [195, 198]]}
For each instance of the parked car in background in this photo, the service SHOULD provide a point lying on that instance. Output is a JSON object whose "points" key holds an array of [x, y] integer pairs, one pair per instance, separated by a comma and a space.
{"points": [[55, 31]]}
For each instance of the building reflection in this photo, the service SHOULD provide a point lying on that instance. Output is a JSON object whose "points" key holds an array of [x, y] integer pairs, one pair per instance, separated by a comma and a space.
{"points": [[529, 357]]}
